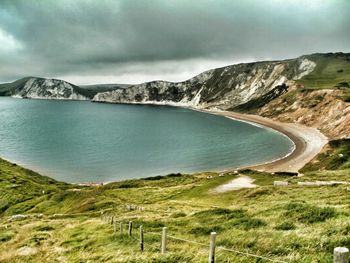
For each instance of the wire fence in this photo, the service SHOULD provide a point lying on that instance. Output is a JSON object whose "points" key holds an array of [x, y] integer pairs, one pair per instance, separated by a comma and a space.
{"points": [[340, 254], [164, 237]]}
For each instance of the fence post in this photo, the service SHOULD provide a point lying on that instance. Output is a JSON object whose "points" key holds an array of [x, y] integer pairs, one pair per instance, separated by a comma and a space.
{"points": [[121, 228], [115, 228], [130, 228], [212, 247], [341, 255], [164, 240], [112, 220], [141, 238]]}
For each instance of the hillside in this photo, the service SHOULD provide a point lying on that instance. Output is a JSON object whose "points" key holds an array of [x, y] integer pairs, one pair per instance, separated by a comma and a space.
{"points": [[40, 88], [61, 222]]}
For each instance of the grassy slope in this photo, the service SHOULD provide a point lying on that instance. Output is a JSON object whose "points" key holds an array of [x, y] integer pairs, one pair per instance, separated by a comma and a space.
{"points": [[8, 89], [332, 71], [294, 223]]}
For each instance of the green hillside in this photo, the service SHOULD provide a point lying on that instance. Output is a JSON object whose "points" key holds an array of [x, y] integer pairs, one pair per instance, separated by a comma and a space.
{"points": [[332, 72], [296, 223], [8, 89]]}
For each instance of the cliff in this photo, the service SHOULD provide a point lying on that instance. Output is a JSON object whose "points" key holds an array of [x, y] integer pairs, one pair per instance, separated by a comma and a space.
{"points": [[40, 88], [222, 88]]}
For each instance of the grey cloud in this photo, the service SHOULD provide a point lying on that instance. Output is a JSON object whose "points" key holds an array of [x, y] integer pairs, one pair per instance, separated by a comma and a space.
{"points": [[81, 37]]}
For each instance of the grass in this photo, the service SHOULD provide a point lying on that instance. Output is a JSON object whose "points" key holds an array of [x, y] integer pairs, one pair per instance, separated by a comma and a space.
{"points": [[332, 72], [336, 157], [294, 223]]}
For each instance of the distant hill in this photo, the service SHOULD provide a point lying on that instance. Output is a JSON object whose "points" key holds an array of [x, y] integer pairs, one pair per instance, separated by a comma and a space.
{"points": [[41, 88]]}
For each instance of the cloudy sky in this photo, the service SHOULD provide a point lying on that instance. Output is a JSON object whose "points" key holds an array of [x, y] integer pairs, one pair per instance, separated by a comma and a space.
{"points": [[131, 41]]}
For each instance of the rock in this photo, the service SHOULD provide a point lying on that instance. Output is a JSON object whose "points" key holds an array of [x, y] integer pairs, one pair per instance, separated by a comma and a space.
{"points": [[323, 183], [26, 251], [17, 217], [280, 183]]}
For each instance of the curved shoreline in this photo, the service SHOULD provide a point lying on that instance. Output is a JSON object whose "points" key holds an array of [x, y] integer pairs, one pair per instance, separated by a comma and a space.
{"points": [[308, 141]]}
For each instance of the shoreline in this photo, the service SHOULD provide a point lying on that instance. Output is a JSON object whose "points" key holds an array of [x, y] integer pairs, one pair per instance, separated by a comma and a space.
{"points": [[308, 141]]}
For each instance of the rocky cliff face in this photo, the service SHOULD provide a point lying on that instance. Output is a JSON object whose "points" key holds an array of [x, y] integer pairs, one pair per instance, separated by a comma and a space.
{"points": [[222, 88], [323, 109], [38, 88]]}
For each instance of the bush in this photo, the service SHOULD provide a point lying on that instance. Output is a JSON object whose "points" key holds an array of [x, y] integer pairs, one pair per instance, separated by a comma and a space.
{"points": [[221, 212], [204, 230], [178, 214], [247, 223], [285, 226], [309, 214]]}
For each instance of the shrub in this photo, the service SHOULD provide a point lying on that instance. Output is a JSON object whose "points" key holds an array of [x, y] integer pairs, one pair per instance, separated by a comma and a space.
{"points": [[247, 223], [221, 212], [309, 214], [285, 226], [178, 214], [205, 230]]}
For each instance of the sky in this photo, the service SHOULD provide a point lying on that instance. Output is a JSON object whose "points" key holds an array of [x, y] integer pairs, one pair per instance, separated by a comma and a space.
{"points": [[133, 41]]}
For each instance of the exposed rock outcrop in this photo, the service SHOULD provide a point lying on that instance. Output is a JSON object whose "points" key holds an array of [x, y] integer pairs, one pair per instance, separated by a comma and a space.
{"points": [[39, 88]]}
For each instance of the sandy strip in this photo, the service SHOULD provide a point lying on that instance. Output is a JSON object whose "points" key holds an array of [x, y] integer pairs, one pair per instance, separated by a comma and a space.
{"points": [[308, 141], [235, 184]]}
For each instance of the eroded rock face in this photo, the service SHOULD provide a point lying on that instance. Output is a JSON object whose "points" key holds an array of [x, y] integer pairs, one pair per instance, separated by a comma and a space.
{"points": [[38, 88], [222, 88], [322, 109]]}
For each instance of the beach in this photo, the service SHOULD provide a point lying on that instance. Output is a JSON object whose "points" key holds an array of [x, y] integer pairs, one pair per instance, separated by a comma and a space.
{"points": [[308, 141]]}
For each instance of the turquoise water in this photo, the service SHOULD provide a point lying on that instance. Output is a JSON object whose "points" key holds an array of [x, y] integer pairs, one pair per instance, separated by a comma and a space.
{"points": [[79, 141]]}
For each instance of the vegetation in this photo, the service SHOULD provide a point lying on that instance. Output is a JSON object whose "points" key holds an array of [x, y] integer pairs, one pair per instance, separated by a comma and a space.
{"points": [[8, 89], [335, 157], [62, 222], [332, 72]]}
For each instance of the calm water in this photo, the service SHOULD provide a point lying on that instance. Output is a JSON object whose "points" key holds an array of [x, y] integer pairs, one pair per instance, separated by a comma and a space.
{"points": [[76, 141]]}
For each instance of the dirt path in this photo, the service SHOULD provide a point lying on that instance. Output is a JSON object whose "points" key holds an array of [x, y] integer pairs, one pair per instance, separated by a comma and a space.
{"points": [[235, 184]]}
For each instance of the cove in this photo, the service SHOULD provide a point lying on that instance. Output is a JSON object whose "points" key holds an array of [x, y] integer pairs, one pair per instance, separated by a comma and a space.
{"points": [[80, 141]]}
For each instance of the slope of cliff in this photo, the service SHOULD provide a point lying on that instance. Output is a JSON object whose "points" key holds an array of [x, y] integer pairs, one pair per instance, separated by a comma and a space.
{"points": [[320, 99], [221, 88]]}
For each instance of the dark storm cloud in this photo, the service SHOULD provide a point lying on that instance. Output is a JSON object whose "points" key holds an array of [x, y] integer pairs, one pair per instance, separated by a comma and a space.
{"points": [[77, 38]]}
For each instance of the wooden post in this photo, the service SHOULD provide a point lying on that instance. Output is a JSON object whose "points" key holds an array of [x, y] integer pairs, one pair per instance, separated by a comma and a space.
{"points": [[341, 255], [130, 228], [121, 228], [164, 240], [112, 220], [115, 228], [212, 247], [141, 238]]}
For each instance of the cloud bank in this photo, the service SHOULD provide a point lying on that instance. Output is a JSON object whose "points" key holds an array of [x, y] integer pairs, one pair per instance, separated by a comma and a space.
{"points": [[129, 41]]}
